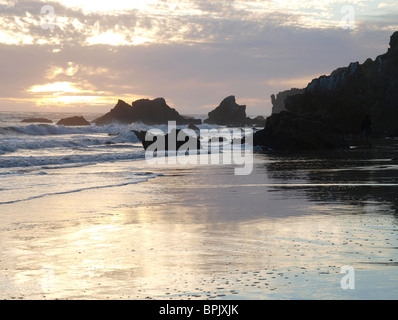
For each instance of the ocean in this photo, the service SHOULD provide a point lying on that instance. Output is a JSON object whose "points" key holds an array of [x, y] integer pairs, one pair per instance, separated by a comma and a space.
{"points": [[30, 152]]}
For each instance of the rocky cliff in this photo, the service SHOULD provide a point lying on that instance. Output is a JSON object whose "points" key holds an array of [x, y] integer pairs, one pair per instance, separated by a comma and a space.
{"points": [[348, 94], [288, 131]]}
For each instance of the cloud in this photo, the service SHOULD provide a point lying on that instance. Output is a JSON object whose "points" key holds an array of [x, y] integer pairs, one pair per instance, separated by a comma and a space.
{"points": [[155, 21], [194, 53]]}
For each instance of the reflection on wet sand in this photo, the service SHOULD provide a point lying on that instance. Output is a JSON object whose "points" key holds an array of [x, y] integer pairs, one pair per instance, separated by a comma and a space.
{"points": [[350, 177]]}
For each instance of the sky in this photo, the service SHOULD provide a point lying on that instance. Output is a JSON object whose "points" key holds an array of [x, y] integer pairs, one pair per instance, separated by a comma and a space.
{"points": [[82, 56]]}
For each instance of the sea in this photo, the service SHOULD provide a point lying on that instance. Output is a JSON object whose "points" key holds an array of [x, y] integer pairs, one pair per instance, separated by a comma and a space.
{"points": [[32, 152]]}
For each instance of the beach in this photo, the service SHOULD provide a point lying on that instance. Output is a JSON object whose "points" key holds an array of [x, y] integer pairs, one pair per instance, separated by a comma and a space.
{"points": [[286, 231]]}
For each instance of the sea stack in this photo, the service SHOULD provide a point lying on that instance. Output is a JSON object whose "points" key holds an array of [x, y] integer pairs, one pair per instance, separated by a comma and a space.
{"points": [[73, 121], [122, 113], [150, 112], [228, 113]]}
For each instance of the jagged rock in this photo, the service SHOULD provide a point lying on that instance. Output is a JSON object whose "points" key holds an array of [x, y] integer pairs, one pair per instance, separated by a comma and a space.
{"points": [[287, 131], [73, 121], [122, 113], [228, 113], [231, 114], [278, 101], [37, 120], [155, 112], [350, 93], [147, 111], [393, 42]]}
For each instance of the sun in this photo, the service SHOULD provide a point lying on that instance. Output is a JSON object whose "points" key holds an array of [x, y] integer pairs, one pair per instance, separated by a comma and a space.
{"points": [[56, 87], [70, 94], [64, 93]]}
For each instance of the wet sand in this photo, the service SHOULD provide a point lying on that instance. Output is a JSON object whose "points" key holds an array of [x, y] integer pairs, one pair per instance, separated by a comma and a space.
{"points": [[200, 232]]}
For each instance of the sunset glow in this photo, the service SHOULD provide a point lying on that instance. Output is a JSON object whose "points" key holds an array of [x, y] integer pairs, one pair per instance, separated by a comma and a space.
{"points": [[152, 48], [58, 87]]}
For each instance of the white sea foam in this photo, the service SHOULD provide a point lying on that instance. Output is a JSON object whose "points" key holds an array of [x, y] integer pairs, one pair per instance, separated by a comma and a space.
{"points": [[47, 144], [49, 129], [10, 162], [36, 145]]}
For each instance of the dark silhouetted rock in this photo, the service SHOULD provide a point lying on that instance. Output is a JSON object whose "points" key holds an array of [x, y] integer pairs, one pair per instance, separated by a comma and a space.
{"points": [[155, 112], [258, 121], [228, 113], [37, 120], [278, 101], [231, 114], [151, 112], [287, 131], [122, 113], [141, 135], [73, 121], [350, 93]]}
